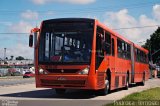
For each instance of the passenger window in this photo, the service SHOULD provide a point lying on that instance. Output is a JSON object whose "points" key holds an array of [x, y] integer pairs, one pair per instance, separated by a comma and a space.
{"points": [[124, 49], [99, 38], [128, 51], [119, 46], [146, 58], [99, 50], [47, 46], [108, 43], [112, 47]]}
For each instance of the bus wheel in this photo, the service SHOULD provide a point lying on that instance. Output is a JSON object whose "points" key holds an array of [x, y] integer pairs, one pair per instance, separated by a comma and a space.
{"points": [[143, 80], [127, 82], [60, 91], [106, 90]]}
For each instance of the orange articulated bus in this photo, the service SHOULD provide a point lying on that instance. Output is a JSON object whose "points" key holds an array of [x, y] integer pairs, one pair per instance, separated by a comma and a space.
{"points": [[82, 53]]}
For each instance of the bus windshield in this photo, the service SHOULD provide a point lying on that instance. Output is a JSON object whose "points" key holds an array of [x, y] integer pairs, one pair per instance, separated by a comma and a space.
{"points": [[66, 42]]}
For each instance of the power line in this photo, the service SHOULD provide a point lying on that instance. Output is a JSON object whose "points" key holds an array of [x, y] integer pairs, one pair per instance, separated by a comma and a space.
{"points": [[136, 27], [18, 33]]}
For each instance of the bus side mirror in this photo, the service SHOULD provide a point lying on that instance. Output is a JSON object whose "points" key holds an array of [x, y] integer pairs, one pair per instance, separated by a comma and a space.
{"points": [[30, 40]]}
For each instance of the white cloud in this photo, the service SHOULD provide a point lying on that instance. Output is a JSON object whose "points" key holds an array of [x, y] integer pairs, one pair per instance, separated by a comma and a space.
{"points": [[29, 15], [64, 1], [156, 11], [146, 32], [122, 19], [20, 27], [20, 50]]}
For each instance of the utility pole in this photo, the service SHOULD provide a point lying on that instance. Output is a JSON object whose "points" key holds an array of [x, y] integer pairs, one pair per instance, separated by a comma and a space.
{"points": [[5, 54]]}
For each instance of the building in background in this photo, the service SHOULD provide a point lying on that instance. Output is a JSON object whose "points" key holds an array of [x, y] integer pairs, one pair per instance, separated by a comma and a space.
{"points": [[9, 67]]}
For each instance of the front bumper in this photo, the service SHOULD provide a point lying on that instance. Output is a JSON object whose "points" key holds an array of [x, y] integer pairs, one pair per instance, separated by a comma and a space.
{"points": [[65, 81]]}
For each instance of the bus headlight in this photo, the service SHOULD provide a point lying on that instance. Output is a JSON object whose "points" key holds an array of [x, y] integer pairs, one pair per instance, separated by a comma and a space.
{"points": [[84, 71], [41, 71]]}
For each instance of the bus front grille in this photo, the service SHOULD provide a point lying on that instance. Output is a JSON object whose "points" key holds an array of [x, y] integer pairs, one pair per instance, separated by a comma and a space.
{"points": [[62, 82], [63, 70]]}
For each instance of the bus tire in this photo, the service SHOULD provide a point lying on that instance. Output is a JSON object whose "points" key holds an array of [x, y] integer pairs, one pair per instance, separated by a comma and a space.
{"points": [[127, 82], [60, 91], [143, 80], [106, 90]]}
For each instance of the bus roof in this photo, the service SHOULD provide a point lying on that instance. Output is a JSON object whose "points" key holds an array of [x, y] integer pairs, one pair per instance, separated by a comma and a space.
{"points": [[141, 48], [70, 19]]}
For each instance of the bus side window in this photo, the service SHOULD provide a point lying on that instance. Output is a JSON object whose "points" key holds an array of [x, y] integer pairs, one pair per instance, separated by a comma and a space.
{"points": [[138, 55], [123, 50], [119, 47], [112, 47], [100, 39], [108, 43], [99, 43], [146, 58], [128, 51], [47, 39], [143, 59]]}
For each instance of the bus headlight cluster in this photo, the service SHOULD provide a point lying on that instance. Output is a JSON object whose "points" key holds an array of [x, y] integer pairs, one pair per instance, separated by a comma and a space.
{"points": [[84, 71], [41, 71]]}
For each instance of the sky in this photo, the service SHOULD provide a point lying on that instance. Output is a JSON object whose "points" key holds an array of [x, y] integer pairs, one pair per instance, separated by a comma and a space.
{"points": [[18, 17]]}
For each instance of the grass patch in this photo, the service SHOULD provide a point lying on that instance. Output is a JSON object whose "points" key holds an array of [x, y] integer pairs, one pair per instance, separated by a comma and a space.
{"points": [[147, 95], [151, 94]]}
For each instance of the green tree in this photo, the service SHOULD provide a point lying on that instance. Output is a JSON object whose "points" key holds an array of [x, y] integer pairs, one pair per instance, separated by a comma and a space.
{"points": [[153, 45], [6, 58], [19, 58], [11, 58]]}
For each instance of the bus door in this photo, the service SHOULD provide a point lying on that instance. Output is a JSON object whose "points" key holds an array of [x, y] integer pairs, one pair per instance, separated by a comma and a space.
{"points": [[112, 58], [112, 65], [110, 50], [99, 49], [132, 63], [110, 55]]}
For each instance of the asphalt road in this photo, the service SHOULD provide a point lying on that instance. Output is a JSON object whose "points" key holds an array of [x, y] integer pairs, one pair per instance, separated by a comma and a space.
{"points": [[28, 95]]}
